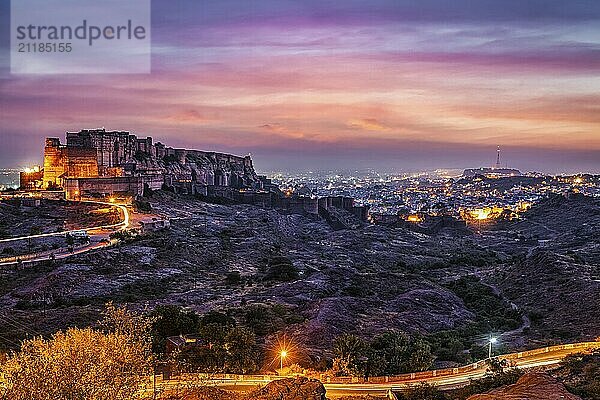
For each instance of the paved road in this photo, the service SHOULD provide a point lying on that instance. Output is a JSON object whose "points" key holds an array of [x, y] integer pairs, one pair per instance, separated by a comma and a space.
{"points": [[335, 390], [99, 237], [447, 382]]}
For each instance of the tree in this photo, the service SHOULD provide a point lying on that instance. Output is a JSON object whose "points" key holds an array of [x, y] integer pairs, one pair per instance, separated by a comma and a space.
{"points": [[420, 358], [135, 327], [397, 353], [207, 359], [106, 364], [76, 364], [217, 318], [223, 348], [349, 352], [243, 354], [390, 353], [171, 320]]}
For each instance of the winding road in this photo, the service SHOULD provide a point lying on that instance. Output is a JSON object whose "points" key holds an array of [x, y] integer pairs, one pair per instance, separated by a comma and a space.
{"points": [[99, 237]]}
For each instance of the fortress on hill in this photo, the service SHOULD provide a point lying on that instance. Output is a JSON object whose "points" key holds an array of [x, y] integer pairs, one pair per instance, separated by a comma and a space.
{"points": [[100, 162], [96, 163]]}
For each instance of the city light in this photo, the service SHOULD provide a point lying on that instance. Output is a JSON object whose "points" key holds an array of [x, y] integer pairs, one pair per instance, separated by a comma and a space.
{"points": [[282, 354], [481, 213], [414, 218], [492, 341], [28, 170]]}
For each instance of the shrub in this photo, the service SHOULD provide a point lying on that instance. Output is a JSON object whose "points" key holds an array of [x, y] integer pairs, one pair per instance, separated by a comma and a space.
{"points": [[281, 269]]}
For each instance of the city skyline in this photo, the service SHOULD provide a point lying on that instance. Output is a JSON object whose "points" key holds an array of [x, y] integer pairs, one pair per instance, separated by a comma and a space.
{"points": [[315, 85]]}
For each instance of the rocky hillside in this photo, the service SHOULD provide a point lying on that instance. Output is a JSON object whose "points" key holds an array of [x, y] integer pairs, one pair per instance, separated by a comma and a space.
{"points": [[268, 270], [275, 272], [532, 386], [554, 273], [205, 168]]}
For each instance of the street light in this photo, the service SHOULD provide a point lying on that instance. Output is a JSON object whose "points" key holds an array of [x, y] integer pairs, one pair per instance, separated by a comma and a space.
{"points": [[493, 340], [282, 355]]}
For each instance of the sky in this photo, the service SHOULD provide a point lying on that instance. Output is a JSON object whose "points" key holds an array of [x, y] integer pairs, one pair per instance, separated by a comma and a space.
{"points": [[353, 84]]}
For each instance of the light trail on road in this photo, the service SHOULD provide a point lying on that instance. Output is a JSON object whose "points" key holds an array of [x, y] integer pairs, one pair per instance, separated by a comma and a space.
{"points": [[96, 232], [547, 356], [124, 224]]}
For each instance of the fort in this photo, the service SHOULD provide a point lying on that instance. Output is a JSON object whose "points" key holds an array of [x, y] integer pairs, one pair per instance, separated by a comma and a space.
{"points": [[97, 164]]}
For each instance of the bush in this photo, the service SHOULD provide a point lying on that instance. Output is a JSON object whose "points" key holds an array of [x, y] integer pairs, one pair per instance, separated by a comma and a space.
{"points": [[143, 206], [390, 353], [494, 379], [233, 278], [281, 269], [8, 251], [423, 391], [171, 320], [493, 313], [581, 374]]}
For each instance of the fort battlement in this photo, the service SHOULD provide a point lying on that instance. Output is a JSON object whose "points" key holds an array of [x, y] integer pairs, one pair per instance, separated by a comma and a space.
{"points": [[121, 155], [116, 148]]}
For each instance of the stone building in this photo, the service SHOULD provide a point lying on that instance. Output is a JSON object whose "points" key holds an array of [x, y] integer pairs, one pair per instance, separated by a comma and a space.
{"points": [[120, 155], [77, 188], [62, 162]]}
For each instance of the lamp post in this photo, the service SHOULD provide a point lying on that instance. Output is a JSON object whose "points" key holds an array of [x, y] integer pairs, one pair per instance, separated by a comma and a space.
{"points": [[282, 355], [493, 340]]}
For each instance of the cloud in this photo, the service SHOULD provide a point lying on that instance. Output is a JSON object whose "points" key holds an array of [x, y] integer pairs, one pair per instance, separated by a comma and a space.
{"points": [[368, 124], [189, 117], [281, 77]]}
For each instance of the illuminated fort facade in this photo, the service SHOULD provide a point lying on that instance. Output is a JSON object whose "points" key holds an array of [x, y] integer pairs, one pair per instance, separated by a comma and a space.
{"points": [[100, 162]]}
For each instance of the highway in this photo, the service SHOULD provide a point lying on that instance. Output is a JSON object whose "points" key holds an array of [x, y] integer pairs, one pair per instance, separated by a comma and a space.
{"points": [[443, 379], [99, 237]]}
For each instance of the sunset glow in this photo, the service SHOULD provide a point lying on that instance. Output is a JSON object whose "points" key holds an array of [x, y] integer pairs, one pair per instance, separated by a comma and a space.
{"points": [[398, 83]]}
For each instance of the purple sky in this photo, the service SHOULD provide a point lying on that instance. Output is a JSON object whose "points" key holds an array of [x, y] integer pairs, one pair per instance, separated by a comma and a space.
{"points": [[341, 84]]}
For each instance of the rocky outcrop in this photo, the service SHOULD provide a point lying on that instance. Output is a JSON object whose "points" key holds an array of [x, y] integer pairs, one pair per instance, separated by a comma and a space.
{"points": [[204, 168], [532, 386], [291, 389]]}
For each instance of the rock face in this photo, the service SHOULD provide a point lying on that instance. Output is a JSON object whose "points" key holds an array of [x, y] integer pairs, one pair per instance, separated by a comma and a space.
{"points": [[291, 389], [204, 168], [532, 386]]}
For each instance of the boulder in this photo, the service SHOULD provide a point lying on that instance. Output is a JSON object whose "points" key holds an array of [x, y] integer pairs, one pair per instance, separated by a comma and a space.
{"points": [[531, 386], [291, 389]]}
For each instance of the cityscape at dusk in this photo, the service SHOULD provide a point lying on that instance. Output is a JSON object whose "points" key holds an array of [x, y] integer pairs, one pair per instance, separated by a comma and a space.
{"points": [[299, 200], [390, 85]]}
